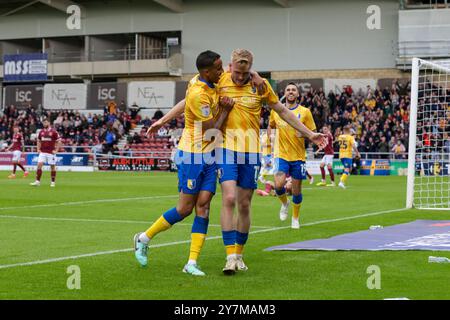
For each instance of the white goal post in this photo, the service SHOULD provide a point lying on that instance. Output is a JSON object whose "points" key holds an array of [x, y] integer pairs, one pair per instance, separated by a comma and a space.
{"points": [[428, 185]]}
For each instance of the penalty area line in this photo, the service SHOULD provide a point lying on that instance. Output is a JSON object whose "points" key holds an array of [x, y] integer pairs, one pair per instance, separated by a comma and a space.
{"points": [[94, 254]]}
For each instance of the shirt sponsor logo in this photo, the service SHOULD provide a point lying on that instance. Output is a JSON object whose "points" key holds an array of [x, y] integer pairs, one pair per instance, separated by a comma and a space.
{"points": [[248, 100]]}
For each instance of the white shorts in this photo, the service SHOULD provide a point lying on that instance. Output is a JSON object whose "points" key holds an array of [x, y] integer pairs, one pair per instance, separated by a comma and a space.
{"points": [[16, 156], [47, 158], [327, 159]]}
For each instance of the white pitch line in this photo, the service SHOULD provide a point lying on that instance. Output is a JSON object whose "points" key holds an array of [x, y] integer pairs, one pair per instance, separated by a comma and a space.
{"points": [[102, 220], [333, 220], [74, 203], [187, 241]]}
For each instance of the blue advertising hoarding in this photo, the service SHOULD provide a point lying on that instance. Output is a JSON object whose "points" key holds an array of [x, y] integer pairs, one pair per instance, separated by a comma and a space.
{"points": [[379, 167], [435, 168], [62, 159], [25, 67]]}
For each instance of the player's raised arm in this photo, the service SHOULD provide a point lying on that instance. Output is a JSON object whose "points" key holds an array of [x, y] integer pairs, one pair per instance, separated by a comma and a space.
{"points": [[293, 121], [175, 112]]}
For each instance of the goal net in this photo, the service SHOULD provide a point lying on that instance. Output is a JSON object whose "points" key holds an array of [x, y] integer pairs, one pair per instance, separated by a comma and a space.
{"points": [[429, 136]]}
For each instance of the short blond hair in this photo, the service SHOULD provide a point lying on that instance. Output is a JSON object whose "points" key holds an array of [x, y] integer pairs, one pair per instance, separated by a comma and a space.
{"points": [[242, 56]]}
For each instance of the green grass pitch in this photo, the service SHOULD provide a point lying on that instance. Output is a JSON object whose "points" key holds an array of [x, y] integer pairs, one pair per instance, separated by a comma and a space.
{"points": [[89, 220]]}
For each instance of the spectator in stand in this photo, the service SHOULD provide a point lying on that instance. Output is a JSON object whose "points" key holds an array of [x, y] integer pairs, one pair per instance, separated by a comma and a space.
{"points": [[371, 146], [112, 108], [383, 147], [134, 110], [111, 117], [158, 115], [66, 123], [136, 138], [146, 122], [89, 118], [380, 117], [127, 151], [399, 150], [392, 143], [76, 129], [59, 119], [123, 106], [174, 123], [109, 139]]}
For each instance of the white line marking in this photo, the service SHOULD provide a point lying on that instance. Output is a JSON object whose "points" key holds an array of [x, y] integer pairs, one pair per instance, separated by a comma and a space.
{"points": [[332, 220], [187, 241], [74, 203], [103, 221]]}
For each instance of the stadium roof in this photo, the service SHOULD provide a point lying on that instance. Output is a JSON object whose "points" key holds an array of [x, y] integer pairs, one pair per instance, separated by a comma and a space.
{"points": [[8, 7]]}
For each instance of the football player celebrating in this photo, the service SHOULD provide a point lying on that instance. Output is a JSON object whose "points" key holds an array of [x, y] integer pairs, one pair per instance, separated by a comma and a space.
{"points": [[197, 177], [48, 144], [16, 147], [238, 170], [290, 154], [347, 145], [238, 165]]}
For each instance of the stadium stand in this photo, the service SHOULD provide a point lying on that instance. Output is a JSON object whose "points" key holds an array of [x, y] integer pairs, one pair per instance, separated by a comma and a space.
{"points": [[379, 116]]}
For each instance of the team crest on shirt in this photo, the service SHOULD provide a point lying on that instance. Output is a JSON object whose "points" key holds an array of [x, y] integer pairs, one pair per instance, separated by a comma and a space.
{"points": [[191, 184], [220, 173], [206, 111]]}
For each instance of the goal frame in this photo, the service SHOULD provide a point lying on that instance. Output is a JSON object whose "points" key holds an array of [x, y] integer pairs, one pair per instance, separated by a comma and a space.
{"points": [[415, 73]]}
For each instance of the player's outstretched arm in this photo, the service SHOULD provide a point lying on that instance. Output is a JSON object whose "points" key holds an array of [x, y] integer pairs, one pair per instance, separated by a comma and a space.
{"points": [[175, 112], [288, 116]]}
